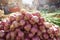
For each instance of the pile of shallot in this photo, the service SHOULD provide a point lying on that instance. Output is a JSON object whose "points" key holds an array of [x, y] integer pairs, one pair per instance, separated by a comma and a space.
{"points": [[27, 26]]}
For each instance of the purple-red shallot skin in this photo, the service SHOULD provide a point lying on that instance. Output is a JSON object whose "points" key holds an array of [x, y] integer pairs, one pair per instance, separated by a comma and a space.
{"points": [[37, 13], [13, 35], [20, 34], [28, 16], [2, 33], [27, 27], [26, 39], [31, 35], [35, 19], [34, 30], [45, 36], [18, 38], [35, 38], [8, 36], [22, 22]]}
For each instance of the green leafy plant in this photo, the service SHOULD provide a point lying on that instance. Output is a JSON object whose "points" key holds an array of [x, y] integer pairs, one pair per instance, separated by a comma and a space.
{"points": [[52, 18]]}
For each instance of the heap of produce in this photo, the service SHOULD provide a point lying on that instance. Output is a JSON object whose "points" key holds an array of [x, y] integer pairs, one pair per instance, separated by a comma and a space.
{"points": [[25, 25]]}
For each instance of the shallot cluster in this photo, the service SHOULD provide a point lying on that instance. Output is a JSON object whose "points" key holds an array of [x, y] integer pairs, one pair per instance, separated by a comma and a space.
{"points": [[27, 26]]}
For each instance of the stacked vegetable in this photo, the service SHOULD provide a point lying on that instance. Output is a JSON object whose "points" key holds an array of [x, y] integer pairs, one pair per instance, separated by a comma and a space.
{"points": [[27, 26]]}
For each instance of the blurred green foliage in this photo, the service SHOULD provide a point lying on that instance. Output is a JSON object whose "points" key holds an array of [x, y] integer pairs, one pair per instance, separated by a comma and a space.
{"points": [[52, 17]]}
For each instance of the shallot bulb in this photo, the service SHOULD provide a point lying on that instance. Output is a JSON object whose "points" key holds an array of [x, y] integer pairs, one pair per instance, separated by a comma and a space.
{"points": [[8, 36], [22, 22], [35, 19], [27, 16], [34, 30], [2, 33], [27, 27]]}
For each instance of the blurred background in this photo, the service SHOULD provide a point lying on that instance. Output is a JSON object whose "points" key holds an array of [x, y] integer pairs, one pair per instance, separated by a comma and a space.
{"points": [[46, 5]]}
